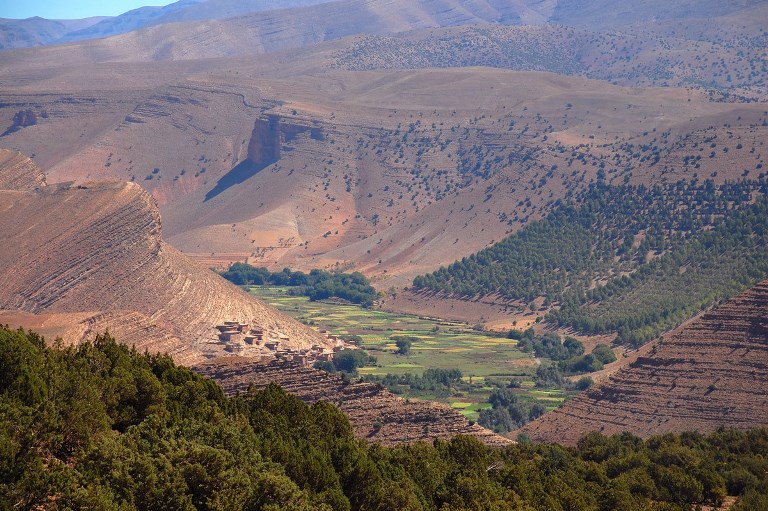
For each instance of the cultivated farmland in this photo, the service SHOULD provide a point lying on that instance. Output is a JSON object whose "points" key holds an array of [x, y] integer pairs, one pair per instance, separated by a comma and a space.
{"points": [[484, 359]]}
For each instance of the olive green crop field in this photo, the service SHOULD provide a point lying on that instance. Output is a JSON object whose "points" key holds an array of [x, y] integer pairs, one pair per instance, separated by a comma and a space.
{"points": [[483, 359]]}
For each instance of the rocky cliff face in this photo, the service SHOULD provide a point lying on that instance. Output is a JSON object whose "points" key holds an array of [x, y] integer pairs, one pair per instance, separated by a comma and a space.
{"points": [[271, 132], [376, 414], [98, 248], [264, 146], [713, 373]]}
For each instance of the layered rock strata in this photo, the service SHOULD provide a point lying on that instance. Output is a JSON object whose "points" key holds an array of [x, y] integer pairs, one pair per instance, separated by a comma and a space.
{"points": [[713, 373]]}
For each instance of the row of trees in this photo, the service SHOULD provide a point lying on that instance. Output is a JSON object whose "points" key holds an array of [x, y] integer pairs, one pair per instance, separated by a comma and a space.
{"points": [[347, 361], [317, 284], [709, 268], [432, 379], [99, 426], [568, 353], [509, 411], [548, 345], [628, 259]]}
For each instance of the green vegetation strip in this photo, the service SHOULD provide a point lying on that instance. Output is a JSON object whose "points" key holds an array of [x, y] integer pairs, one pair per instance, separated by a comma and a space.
{"points": [[477, 355], [628, 259], [317, 285]]}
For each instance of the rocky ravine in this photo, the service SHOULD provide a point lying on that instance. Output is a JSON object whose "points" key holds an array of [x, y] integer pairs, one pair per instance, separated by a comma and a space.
{"points": [[713, 373], [375, 413], [96, 248]]}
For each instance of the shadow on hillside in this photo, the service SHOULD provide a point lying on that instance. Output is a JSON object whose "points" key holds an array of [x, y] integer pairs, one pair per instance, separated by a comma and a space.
{"points": [[241, 172]]}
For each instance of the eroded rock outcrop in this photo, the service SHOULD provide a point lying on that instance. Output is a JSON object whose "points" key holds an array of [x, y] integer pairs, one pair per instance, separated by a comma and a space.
{"points": [[271, 132], [264, 146], [19, 172]]}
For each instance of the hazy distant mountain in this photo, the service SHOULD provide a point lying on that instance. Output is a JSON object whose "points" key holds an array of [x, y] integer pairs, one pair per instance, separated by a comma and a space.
{"points": [[39, 31], [346, 17], [607, 14]]}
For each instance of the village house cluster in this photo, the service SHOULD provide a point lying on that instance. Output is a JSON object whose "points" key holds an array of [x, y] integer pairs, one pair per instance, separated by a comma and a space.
{"points": [[243, 339]]}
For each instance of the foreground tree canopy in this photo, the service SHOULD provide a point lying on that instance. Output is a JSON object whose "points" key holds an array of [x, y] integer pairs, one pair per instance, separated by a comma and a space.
{"points": [[100, 426]]}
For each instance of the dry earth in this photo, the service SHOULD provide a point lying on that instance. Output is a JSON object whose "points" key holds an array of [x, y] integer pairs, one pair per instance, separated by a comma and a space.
{"points": [[255, 151], [376, 171], [18, 172]]}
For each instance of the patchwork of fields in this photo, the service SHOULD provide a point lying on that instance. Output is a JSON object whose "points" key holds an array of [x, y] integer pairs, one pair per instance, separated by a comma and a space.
{"points": [[484, 360]]}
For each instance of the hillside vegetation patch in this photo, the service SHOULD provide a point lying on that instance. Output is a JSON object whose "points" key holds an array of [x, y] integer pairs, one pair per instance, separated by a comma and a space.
{"points": [[634, 260]]}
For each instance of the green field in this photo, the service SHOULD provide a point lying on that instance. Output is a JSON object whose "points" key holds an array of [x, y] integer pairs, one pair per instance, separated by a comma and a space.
{"points": [[483, 359]]}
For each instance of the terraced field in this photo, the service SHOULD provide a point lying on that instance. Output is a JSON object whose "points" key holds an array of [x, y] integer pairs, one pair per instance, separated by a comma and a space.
{"points": [[375, 413], [483, 359]]}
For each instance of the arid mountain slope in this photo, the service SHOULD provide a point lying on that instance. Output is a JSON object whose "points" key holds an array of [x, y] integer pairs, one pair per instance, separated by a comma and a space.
{"points": [[18, 172], [184, 10], [97, 249], [639, 55], [292, 23], [396, 190], [270, 31], [375, 413], [392, 173], [298, 158], [608, 14], [713, 373], [37, 31]]}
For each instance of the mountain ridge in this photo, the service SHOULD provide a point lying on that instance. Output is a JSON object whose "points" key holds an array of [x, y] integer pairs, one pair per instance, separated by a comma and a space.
{"points": [[293, 23]]}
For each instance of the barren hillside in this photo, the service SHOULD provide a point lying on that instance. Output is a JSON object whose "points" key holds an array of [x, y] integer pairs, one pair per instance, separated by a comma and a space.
{"points": [[609, 14], [37, 31], [392, 173], [341, 155], [273, 30], [185, 27], [671, 55], [18, 172], [375, 413], [96, 248], [712, 373], [152, 33], [179, 11]]}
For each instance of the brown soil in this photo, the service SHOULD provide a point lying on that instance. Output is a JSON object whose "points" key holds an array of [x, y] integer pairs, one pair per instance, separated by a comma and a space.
{"points": [[494, 312], [376, 414], [711, 373]]}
